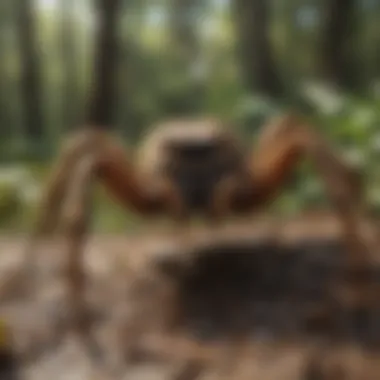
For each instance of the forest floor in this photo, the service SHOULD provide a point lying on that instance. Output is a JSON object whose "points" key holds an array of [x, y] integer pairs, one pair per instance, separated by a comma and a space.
{"points": [[105, 256]]}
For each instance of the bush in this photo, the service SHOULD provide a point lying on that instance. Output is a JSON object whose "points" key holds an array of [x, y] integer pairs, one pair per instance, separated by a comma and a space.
{"points": [[19, 192]]}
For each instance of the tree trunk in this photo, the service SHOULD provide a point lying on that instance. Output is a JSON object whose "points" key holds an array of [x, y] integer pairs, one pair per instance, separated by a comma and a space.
{"points": [[5, 101], [31, 81], [103, 94], [254, 48], [70, 90], [183, 32], [337, 52], [186, 60]]}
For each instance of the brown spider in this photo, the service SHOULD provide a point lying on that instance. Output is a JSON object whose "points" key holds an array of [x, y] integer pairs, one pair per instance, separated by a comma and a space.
{"points": [[186, 167], [198, 166]]}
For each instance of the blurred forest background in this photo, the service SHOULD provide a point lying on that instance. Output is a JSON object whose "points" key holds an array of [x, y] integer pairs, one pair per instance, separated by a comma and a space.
{"points": [[243, 60]]}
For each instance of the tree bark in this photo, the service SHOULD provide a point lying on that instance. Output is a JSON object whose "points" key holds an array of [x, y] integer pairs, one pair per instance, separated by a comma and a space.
{"points": [[5, 102], [186, 60], [337, 51], [31, 80], [103, 94], [70, 95], [254, 47]]}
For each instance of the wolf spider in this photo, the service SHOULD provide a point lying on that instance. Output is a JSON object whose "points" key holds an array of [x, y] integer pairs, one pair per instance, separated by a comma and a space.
{"points": [[185, 167]]}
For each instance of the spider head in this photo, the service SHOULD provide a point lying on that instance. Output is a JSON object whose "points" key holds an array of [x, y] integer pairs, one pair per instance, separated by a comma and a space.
{"points": [[199, 153], [194, 154], [196, 142]]}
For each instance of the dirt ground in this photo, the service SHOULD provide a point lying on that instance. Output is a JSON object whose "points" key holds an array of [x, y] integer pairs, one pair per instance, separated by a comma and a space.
{"points": [[108, 262]]}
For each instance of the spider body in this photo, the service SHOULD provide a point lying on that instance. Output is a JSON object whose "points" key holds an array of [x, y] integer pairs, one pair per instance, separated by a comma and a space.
{"points": [[194, 157], [192, 166], [199, 166]]}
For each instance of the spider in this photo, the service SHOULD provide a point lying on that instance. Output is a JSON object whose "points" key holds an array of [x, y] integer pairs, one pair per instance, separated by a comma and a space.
{"points": [[191, 166], [187, 167]]}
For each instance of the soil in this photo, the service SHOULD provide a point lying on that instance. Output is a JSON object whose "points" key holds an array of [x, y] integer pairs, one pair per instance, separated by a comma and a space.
{"points": [[255, 297]]}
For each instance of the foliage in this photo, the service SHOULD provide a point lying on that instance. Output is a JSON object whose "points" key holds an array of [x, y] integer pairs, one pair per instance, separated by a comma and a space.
{"points": [[152, 86]]}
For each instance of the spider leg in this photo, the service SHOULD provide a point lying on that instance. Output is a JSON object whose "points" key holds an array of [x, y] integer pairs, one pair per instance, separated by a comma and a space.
{"points": [[113, 168], [282, 144], [86, 157], [48, 214], [287, 140], [76, 212]]}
